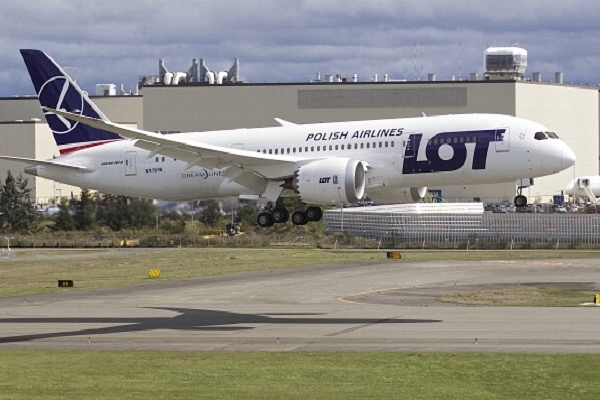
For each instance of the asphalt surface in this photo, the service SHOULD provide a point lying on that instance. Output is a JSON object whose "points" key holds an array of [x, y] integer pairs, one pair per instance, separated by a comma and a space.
{"points": [[388, 306]]}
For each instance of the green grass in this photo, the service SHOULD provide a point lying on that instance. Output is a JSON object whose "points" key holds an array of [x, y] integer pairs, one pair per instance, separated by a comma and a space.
{"points": [[30, 374], [523, 297]]}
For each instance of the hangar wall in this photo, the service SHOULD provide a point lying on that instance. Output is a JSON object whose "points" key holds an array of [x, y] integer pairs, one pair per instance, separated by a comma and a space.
{"points": [[571, 112], [23, 136], [32, 139], [214, 107]]}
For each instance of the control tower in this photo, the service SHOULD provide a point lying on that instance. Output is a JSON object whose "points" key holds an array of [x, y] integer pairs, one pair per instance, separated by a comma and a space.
{"points": [[506, 63]]}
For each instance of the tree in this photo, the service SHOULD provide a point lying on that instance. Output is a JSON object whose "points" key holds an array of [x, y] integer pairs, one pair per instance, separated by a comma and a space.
{"points": [[85, 214], [142, 213], [247, 215], [211, 213], [121, 212], [63, 221], [16, 206]]}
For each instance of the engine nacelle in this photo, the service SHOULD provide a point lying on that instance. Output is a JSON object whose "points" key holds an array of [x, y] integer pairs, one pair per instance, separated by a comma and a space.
{"points": [[331, 181], [387, 195], [417, 193]]}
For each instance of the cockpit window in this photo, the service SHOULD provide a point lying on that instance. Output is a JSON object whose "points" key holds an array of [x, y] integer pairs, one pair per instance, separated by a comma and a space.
{"points": [[552, 135], [540, 136]]}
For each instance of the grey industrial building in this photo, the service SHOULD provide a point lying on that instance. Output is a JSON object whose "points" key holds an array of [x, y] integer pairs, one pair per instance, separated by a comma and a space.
{"points": [[572, 111]]}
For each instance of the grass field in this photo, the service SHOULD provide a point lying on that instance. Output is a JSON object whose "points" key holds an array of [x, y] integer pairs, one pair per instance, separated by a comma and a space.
{"points": [[330, 375], [30, 271], [54, 374]]}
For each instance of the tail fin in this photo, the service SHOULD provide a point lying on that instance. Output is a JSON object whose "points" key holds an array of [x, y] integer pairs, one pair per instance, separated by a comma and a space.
{"points": [[56, 90]]}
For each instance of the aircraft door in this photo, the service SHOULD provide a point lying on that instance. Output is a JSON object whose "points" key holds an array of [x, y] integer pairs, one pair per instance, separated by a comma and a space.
{"points": [[408, 145], [130, 163], [502, 138]]}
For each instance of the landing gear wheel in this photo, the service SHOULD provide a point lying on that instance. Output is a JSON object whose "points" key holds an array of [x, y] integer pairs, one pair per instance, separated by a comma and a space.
{"points": [[280, 215], [265, 219], [314, 213], [520, 201], [299, 218]]}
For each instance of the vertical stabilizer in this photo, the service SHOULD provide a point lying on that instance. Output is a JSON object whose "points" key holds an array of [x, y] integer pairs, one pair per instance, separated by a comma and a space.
{"points": [[56, 90]]}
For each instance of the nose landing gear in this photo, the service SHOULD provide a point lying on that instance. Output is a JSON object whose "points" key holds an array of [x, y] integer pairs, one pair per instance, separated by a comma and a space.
{"points": [[520, 199]]}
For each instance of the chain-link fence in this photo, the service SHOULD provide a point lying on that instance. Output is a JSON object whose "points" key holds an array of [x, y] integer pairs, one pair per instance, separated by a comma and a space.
{"points": [[468, 228], [363, 229]]}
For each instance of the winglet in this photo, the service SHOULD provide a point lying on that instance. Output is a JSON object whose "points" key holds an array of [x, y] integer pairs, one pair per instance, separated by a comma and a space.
{"points": [[283, 122]]}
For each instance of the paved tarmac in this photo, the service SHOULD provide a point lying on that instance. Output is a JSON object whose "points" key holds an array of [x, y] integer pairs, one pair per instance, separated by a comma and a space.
{"points": [[387, 306]]}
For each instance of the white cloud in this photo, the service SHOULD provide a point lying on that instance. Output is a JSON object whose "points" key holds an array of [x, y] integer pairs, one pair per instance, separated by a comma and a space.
{"points": [[290, 41]]}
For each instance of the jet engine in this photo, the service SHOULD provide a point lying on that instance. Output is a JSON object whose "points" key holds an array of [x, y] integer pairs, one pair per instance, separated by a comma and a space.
{"points": [[331, 181]]}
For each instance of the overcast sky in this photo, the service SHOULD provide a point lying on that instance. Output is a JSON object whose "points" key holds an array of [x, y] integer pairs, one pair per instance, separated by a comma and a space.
{"points": [[115, 41]]}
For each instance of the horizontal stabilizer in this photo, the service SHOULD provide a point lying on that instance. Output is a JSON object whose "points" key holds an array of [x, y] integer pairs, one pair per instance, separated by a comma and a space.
{"points": [[33, 161]]}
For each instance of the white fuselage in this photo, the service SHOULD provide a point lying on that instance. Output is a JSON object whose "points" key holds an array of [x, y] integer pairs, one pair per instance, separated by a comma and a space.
{"points": [[400, 153]]}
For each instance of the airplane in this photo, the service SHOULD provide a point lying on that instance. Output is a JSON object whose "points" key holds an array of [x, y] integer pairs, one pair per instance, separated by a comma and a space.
{"points": [[321, 163], [585, 186]]}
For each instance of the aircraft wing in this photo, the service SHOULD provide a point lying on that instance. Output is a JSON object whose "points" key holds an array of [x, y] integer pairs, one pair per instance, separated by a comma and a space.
{"points": [[193, 152]]}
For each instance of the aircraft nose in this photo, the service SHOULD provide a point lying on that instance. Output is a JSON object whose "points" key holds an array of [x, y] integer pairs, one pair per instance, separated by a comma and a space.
{"points": [[567, 157]]}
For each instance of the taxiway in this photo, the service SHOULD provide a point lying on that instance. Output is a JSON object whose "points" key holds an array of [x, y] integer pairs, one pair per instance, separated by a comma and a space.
{"points": [[382, 306]]}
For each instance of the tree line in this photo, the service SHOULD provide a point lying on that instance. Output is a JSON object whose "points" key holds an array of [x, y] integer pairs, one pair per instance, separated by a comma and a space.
{"points": [[88, 212]]}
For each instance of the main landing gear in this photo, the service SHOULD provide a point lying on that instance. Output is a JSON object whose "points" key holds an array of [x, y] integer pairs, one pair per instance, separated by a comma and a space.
{"points": [[278, 214]]}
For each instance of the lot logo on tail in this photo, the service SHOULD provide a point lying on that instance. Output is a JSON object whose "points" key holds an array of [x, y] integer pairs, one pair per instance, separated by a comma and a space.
{"points": [[59, 94]]}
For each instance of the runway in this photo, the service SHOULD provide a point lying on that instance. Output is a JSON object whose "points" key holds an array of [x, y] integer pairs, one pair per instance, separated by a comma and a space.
{"points": [[382, 306]]}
